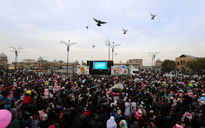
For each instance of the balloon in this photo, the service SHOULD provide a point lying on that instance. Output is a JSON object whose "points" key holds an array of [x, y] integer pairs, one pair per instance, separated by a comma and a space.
{"points": [[5, 118]]}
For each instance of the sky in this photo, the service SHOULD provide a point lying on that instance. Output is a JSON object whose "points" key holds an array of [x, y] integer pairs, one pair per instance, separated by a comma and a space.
{"points": [[38, 26]]}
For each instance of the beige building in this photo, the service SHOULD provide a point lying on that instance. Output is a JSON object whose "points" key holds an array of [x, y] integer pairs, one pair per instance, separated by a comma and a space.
{"points": [[158, 63], [135, 62], [42, 65], [3, 60], [182, 60], [132, 62]]}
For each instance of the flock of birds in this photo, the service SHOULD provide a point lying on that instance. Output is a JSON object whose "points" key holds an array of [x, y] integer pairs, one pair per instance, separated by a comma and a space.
{"points": [[99, 23]]}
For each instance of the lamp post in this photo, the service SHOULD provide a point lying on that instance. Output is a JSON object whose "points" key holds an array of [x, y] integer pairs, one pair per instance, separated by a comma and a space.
{"points": [[108, 44], [16, 51], [153, 55], [68, 44], [113, 48]]}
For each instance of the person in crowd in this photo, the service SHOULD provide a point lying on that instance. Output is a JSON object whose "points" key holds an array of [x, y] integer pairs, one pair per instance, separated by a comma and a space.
{"points": [[148, 100]]}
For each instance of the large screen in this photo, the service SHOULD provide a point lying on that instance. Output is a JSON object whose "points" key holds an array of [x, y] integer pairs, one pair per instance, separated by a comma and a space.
{"points": [[99, 65]]}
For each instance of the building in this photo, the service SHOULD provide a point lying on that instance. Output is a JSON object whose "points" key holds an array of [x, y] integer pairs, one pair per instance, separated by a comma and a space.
{"points": [[182, 60], [3, 60], [132, 63], [28, 60], [42, 65], [158, 63], [135, 62]]}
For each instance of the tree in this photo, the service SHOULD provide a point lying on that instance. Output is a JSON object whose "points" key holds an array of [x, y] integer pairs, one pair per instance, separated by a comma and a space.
{"points": [[196, 64], [168, 66]]}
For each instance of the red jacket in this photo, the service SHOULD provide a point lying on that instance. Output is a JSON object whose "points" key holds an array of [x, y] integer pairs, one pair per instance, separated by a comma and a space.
{"points": [[26, 99]]}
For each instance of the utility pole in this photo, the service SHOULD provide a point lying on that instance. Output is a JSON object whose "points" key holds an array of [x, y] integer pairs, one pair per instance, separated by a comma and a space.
{"points": [[16, 51], [68, 44]]}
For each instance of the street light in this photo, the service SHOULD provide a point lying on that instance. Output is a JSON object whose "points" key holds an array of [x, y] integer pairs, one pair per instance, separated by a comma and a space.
{"points": [[108, 44], [16, 51], [153, 55], [68, 44], [113, 48]]}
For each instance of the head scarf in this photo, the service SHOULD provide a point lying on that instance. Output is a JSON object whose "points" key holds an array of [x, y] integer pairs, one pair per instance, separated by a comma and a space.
{"points": [[111, 123]]}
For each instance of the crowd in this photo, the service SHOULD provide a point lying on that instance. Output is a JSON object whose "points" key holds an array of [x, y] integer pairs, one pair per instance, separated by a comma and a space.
{"points": [[148, 100]]}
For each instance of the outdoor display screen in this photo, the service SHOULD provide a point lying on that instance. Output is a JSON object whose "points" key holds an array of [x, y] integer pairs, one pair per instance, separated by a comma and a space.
{"points": [[99, 65]]}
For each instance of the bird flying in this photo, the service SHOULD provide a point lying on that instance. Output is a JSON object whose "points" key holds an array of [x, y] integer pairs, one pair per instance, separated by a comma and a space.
{"points": [[93, 46], [86, 27], [124, 31], [152, 16], [99, 22]]}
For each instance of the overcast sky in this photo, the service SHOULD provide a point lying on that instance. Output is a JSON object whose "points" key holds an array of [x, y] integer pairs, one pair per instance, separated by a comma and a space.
{"points": [[39, 25]]}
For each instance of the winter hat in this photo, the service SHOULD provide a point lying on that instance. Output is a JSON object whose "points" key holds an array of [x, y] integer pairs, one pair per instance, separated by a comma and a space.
{"points": [[52, 126], [8, 100], [7, 104], [86, 113], [138, 113], [27, 113], [123, 124], [187, 115], [28, 92]]}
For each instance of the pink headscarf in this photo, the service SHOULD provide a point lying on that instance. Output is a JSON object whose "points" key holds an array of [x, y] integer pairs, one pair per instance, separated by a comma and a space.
{"points": [[46, 93], [178, 126], [190, 93], [41, 113], [188, 115]]}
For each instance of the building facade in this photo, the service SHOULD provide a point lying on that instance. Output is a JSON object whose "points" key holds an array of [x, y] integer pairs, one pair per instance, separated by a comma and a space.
{"points": [[182, 60], [132, 63], [158, 63], [135, 62], [3, 60], [42, 65]]}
